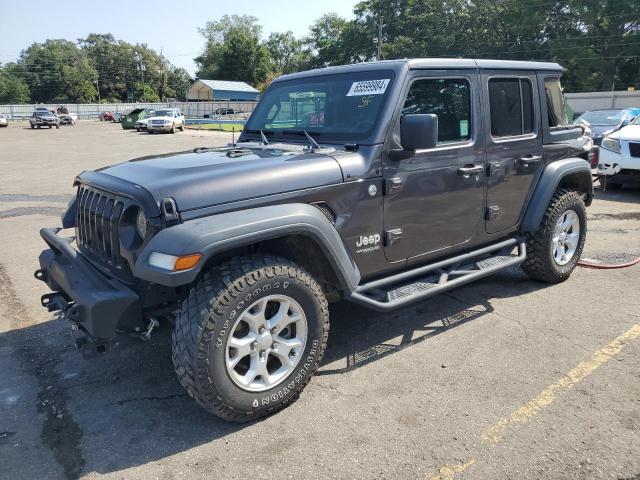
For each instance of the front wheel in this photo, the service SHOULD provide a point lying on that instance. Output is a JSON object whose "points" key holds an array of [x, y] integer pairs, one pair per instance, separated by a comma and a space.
{"points": [[554, 250], [250, 336], [173, 128]]}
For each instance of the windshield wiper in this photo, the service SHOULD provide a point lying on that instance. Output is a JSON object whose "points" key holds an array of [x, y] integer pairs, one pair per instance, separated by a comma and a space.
{"points": [[313, 144]]}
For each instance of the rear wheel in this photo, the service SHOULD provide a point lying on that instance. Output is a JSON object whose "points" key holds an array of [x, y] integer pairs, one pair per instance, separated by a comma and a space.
{"points": [[250, 336], [554, 250]]}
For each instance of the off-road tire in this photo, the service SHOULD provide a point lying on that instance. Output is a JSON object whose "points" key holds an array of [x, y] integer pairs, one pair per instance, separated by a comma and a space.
{"points": [[205, 320], [173, 128], [182, 127], [540, 264]]}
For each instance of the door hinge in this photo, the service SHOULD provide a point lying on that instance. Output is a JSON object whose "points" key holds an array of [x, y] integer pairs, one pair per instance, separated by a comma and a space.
{"points": [[495, 169], [492, 212], [393, 185], [392, 236]]}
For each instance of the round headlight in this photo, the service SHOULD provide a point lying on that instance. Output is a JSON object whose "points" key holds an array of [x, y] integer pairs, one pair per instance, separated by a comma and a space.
{"points": [[141, 224]]}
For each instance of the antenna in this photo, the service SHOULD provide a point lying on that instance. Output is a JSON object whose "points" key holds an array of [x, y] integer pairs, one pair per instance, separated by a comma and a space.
{"points": [[264, 138], [314, 144]]}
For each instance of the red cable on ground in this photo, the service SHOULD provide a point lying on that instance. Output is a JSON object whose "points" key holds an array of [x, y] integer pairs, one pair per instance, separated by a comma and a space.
{"points": [[608, 266]]}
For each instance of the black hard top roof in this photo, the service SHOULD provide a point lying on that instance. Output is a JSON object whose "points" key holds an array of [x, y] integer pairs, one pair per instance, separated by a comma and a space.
{"points": [[429, 63]]}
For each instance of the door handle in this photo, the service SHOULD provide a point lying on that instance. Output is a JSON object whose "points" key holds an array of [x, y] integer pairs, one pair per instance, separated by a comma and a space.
{"points": [[530, 159], [469, 170]]}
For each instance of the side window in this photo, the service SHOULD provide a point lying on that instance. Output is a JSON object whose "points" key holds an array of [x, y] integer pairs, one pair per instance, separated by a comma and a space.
{"points": [[511, 106], [449, 99], [556, 107]]}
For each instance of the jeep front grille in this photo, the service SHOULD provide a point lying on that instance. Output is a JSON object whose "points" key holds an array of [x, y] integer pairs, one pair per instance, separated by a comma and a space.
{"points": [[97, 219]]}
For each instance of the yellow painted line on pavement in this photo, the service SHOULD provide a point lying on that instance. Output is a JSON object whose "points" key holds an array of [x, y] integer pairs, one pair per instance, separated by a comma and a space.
{"points": [[449, 473], [494, 435], [548, 395]]}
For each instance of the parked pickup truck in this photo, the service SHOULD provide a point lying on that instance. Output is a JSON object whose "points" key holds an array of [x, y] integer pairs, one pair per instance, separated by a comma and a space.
{"points": [[379, 183]]}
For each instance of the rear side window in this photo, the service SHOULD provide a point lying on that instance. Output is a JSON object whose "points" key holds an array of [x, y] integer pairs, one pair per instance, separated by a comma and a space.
{"points": [[511, 105], [449, 99], [556, 106]]}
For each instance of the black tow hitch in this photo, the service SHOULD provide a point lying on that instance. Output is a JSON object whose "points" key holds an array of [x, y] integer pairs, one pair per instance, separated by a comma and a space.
{"points": [[88, 346]]}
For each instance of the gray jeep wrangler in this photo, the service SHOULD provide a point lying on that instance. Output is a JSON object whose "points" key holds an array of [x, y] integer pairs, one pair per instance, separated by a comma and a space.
{"points": [[380, 183]]}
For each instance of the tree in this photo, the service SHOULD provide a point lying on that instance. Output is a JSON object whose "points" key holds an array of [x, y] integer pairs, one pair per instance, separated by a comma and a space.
{"points": [[271, 76], [13, 89], [143, 92], [331, 40], [233, 50], [178, 82], [58, 71], [287, 53]]}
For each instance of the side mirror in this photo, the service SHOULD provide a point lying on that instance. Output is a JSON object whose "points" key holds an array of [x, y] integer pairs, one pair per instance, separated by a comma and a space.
{"points": [[419, 131]]}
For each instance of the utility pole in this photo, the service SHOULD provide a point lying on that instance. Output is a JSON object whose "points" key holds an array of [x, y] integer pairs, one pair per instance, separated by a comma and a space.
{"points": [[141, 68], [379, 39], [98, 88]]}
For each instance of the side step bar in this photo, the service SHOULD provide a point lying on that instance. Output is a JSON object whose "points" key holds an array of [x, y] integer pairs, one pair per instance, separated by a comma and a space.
{"points": [[423, 282]]}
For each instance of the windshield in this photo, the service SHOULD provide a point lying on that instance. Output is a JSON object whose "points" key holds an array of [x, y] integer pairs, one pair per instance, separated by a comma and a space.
{"points": [[603, 117], [343, 106], [164, 113]]}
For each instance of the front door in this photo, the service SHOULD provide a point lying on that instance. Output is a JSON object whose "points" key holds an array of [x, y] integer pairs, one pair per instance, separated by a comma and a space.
{"points": [[514, 145], [434, 200]]}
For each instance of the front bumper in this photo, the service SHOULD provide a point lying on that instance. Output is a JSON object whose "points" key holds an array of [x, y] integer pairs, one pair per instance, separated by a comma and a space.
{"points": [[159, 128], [629, 166], [96, 304]]}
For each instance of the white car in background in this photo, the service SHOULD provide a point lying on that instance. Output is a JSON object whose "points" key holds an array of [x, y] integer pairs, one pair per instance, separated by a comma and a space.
{"points": [[621, 150], [3, 121], [166, 120]]}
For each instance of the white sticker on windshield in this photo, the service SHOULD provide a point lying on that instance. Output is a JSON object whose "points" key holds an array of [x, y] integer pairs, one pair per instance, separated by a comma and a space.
{"points": [[368, 87]]}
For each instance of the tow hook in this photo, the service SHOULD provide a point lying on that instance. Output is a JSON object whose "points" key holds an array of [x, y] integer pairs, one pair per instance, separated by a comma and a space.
{"points": [[153, 323], [87, 346]]}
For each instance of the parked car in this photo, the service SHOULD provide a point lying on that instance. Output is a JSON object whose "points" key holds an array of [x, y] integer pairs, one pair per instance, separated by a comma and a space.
{"points": [[4, 122], [117, 117], [166, 120], [44, 118], [224, 111], [129, 120], [141, 124], [421, 177], [65, 116], [106, 116], [622, 149], [605, 122]]}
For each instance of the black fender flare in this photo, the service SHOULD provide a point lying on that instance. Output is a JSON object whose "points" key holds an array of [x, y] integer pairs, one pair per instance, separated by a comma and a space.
{"points": [[216, 234], [576, 169]]}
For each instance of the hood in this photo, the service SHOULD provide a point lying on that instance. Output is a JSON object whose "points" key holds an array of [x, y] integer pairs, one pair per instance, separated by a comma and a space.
{"points": [[207, 177], [601, 130], [630, 132]]}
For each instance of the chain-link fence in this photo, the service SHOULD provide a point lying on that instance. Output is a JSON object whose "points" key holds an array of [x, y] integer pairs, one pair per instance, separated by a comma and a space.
{"points": [[221, 109]]}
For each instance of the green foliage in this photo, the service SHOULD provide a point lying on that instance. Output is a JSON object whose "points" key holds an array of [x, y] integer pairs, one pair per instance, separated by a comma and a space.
{"points": [[58, 71], [233, 50], [13, 89], [143, 92], [332, 40], [287, 53]]}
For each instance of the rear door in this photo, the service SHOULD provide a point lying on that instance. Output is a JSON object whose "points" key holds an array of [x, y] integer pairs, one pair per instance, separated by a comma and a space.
{"points": [[514, 145], [434, 200]]}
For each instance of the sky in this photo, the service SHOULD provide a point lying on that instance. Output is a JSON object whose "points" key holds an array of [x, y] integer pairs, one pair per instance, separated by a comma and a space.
{"points": [[172, 26]]}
